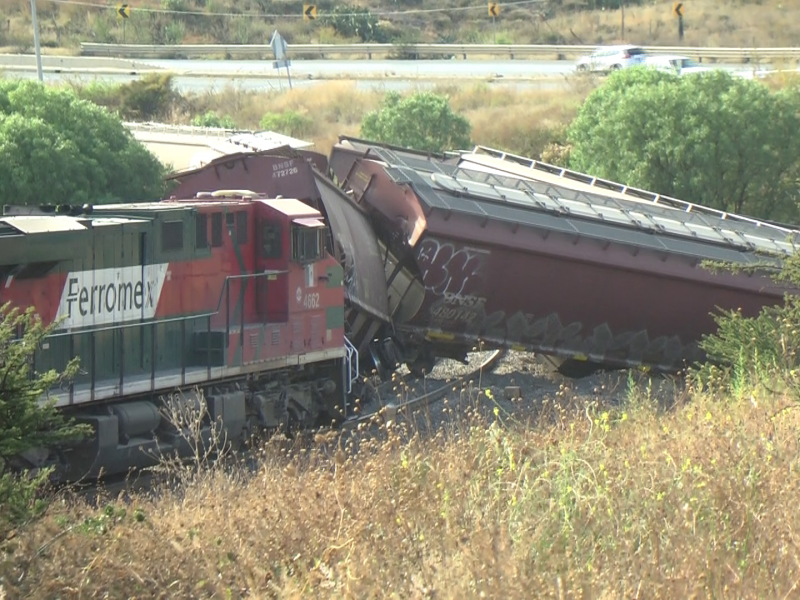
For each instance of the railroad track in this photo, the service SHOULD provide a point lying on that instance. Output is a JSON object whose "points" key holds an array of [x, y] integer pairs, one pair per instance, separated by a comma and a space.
{"points": [[142, 480], [391, 410]]}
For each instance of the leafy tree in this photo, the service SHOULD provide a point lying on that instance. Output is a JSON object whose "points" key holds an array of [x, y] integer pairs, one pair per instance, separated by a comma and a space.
{"points": [[25, 422], [423, 121], [58, 149], [709, 138]]}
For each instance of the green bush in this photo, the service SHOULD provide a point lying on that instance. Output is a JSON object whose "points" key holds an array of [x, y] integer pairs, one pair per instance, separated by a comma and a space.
{"points": [[288, 122], [423, 121], [710, 138], [57, 148], [350, 21], [212, 119], [26, 424], [763, 347], [148, 98]]}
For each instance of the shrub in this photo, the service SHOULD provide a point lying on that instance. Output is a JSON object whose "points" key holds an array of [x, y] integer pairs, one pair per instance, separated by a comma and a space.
{"points": [[288, 122], [55, 147], [212, 119], [423, 121], [26, 424], [765, 347], [147, 98]]}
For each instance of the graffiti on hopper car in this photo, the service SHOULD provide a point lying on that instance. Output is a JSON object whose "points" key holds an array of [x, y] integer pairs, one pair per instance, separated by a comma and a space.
{"points": [[447, 269]]}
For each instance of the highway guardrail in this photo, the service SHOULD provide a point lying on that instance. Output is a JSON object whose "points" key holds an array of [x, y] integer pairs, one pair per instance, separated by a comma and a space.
{"points": [[497, 51]]}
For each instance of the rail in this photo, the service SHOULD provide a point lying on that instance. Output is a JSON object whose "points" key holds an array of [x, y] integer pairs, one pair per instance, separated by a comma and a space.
{"points": [[498, 51], [390, 411]]}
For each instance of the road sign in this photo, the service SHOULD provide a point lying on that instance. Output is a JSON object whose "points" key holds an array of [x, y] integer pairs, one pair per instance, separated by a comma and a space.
{"points": [[123, 11], [494, 9], [309, 12], [677, 9], [278, 45]]}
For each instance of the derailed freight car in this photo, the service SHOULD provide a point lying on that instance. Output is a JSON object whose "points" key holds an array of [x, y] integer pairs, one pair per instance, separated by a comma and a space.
{"points": [[530, 256]]}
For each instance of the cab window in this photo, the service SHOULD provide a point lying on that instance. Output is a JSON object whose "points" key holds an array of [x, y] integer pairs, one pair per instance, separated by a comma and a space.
{"points": [[307, 243], [271, 240]]}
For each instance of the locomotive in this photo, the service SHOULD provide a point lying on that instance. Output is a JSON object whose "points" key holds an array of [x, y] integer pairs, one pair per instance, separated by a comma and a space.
{"points": [[229, 296]]}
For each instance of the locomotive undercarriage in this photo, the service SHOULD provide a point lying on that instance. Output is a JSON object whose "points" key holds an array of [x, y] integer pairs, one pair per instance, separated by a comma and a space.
{"points": [[139, 432]]}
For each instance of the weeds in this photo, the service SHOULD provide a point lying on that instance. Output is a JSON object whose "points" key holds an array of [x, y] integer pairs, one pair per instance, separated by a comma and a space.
{"points": [[585, 497], [707, 22]]}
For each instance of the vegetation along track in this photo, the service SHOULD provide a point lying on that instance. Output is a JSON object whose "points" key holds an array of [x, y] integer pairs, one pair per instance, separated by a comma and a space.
{"points": [[377, 413], [390, 410]]}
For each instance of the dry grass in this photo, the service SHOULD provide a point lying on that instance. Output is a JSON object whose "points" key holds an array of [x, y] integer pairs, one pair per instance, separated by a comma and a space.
{"points": [[586, 501], [521, 121], [333, 107], [734, 23], [737, 23]]}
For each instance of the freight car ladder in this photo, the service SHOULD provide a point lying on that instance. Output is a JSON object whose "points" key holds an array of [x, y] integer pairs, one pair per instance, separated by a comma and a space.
{"points": [[575, 180]]}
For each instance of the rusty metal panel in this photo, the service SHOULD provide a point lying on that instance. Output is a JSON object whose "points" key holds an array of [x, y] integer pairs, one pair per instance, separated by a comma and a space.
{"points": [[345, 154], [273, 173], [357, 249]]}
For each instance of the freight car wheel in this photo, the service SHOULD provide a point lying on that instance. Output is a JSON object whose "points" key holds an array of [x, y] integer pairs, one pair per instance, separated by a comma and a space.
{"points": [[423, 364], [569, 367]]}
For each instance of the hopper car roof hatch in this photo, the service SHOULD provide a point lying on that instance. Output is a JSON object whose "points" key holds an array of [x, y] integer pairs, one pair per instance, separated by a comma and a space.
{"points": [[524, 185], [607, 223]]}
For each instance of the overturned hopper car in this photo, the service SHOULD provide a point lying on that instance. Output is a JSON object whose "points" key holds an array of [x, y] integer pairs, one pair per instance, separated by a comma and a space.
{"points": [[520, 254]]}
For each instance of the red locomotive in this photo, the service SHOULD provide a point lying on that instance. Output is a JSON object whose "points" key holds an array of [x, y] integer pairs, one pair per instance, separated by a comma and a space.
{"points": [[229, 293]]}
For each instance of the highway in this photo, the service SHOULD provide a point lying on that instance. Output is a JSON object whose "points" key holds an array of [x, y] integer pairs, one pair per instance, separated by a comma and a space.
{"points": [[203, 75]]}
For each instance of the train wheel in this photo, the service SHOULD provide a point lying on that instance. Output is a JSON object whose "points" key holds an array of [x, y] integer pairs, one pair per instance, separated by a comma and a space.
{"points": [[569, 367], [423, 364]]}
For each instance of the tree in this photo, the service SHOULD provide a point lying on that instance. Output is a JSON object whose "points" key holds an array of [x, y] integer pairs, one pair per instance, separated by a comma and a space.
{"points": [[25, 422], [58, 149], [422, 121], [710, 138]]}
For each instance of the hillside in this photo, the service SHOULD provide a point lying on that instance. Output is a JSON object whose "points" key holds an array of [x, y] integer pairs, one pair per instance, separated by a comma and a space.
{"points": [[64, 24]]}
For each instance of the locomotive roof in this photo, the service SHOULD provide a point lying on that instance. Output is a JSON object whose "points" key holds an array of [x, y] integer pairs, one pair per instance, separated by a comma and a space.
{"points": [[31, 219], [33, 224]]}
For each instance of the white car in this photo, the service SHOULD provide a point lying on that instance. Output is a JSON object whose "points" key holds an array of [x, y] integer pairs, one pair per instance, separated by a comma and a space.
{"points": [[612, 58], [672, 63]]}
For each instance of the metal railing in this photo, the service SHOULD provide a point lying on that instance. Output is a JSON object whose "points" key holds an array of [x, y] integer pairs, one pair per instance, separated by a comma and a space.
{"points": [[502, 51]]}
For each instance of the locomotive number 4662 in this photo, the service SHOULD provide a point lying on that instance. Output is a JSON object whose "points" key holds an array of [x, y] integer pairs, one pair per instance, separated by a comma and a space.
{"points": [[311, 301]]}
